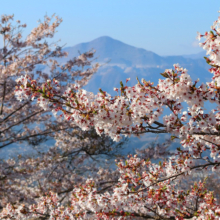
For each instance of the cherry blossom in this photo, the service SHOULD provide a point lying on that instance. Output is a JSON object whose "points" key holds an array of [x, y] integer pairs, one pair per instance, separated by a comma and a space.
{"points": [[141, 189]]}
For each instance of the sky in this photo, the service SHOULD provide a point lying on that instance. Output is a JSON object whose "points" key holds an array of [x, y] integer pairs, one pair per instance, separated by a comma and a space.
{"points": [[166, 27]]}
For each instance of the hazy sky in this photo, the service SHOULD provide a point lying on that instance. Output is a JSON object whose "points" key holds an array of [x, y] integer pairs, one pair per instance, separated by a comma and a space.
{"points": [[166, 27]]}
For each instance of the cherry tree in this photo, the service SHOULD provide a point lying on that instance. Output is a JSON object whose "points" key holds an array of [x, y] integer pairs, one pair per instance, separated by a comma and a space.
{"points": [[24, 178], [144, 189], [33, 55], [76, 154]]}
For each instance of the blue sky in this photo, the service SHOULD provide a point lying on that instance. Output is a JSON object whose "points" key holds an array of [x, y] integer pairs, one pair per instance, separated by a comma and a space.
{"points": [[166, 27]]}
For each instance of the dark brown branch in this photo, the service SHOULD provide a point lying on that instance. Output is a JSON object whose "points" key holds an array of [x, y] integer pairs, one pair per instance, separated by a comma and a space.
{"points": [[3, 98]]}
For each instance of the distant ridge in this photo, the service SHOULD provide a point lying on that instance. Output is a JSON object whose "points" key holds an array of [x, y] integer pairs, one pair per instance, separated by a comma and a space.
{"points": [[125, 61], [196, 56], [117, 51]]}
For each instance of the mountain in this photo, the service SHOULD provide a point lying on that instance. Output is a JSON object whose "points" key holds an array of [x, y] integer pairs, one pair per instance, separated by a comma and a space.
{"points": [[119, 52], [200, 55], [120, 61]]}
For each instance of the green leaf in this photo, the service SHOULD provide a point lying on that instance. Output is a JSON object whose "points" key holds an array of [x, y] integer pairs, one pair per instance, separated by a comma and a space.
{"points": [[195, 214], [173, 137], [138, 81], [164, 188], [164, 75], [178, 148], [207, 60], [100, 90], [74, 195]]}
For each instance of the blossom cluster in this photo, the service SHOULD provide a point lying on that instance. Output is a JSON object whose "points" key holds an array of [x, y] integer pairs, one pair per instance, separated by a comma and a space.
{"points": [[34, 56], [143, 190], [26, 177], [138, 109]]}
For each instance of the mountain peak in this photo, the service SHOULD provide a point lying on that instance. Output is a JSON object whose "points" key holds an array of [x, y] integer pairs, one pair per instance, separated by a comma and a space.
{"points": [[106, 40], [122, 61], [108, 48]]}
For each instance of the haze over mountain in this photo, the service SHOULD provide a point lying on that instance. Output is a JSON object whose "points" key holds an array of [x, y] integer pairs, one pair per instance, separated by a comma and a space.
{"points": [[196, 56], [120, 61]]}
